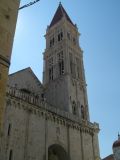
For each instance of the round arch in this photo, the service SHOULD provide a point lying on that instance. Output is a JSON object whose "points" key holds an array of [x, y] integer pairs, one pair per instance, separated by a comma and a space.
{"points": [[57, 152]]}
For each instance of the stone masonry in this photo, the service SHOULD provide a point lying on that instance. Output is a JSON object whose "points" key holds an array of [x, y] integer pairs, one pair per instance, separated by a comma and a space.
{"points": [[8, 17]]}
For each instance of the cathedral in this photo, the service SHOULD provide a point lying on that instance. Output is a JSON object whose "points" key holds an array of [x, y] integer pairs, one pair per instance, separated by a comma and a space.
{"points": [[50, 120]]}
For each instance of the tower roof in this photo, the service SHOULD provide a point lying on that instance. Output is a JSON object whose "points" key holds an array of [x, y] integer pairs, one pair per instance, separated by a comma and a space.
{"points": [[110, 157], [59, 14]]}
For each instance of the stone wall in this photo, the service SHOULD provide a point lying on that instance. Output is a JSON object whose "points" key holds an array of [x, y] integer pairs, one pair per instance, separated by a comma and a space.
{"points": [[31, 128], [116, 151], [8, 17]]}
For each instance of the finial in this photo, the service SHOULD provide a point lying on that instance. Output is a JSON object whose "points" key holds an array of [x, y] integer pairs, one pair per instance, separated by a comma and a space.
{"points": [[60, 3], [75, 25], [118, 135]]}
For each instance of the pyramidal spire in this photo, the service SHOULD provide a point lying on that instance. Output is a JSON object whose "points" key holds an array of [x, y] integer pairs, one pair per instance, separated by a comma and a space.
{"points": [[59, 14]]}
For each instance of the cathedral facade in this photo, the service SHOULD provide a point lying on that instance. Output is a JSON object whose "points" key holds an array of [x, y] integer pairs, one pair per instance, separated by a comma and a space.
{"points": [[51, 121]]}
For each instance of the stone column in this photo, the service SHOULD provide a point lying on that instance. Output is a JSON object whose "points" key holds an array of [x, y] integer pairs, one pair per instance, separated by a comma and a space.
{"points": [[8, 18]]}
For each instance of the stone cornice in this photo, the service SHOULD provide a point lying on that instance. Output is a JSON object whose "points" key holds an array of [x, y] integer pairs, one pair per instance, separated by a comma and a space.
{"points": [[4, 61]]}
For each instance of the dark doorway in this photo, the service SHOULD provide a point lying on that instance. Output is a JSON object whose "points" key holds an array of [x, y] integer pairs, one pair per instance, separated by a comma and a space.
{"points": [[56, 152]]}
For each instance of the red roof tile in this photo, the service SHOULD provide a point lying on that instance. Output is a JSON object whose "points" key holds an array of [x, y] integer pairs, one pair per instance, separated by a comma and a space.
{"points": [[110, 157], [116, 143], [59, 15]]}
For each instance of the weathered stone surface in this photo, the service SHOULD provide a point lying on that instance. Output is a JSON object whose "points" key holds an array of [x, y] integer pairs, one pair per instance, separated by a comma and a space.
{"points": [[8, 17]]}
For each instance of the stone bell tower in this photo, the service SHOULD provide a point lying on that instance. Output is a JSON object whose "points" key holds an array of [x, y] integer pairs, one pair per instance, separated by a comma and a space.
{"points": [[64, 76], [8, 17]]}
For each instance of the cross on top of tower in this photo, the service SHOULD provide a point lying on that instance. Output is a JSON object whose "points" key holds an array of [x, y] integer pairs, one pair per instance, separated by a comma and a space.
{"points": [[59, 14]]}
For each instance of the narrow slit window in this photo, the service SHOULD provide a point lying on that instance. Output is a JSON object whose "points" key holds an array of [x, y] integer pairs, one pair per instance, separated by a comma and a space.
{"points": [[9, 130], [11, 155]]}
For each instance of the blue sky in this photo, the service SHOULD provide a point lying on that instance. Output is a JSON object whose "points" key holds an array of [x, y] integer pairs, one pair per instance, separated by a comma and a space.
{"points": [[99, 24]]}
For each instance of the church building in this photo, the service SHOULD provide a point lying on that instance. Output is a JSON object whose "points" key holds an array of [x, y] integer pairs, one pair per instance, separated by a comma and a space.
{"points": [[50, 120], [116, 151]]}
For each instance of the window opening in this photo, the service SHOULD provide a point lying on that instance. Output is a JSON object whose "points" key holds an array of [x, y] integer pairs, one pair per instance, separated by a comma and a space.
{"points": [[11, 155], [9, 130], [60, 36], [42, 96]]}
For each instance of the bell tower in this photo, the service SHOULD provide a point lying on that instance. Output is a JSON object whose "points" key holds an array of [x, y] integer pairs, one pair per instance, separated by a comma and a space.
{"points": [[8, 17], [63, 75]]}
